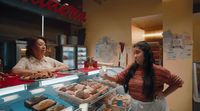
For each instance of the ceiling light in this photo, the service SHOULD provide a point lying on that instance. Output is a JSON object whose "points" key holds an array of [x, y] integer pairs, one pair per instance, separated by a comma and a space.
{"points": [[153, 34]]}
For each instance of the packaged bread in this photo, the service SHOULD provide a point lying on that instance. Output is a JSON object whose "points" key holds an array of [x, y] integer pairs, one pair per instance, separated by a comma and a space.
{"points": [[33, 100], [56, 108], [44, 104]]}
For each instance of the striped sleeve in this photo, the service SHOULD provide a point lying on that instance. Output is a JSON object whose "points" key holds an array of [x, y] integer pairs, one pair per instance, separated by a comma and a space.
{"points": [[171, 79], [121, 76]]}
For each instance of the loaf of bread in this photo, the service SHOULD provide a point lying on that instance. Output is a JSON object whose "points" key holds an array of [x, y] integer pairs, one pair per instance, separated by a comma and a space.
{"points": [[34, 100], [44, 104], [56, 108]]}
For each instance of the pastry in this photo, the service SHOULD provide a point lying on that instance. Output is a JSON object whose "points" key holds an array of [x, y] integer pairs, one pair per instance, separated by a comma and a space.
{"points": [[34, 100], [56, 108], [86, 95], [71, 87], [63, 89], [70, 92], [90, 90], [44, 104], [38, 75], [80, 94], [79, 87]]}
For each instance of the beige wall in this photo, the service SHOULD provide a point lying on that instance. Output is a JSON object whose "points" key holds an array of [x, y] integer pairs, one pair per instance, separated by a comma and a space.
{"points": [[113, 19], [177, 16], [137, 34], [196, 37]]}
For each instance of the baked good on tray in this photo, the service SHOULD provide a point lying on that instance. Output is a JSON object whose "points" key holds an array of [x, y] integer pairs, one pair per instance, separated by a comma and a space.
{"points": [[82, 95], [33, 100], [44, 104], [56, 108], [38, 75], [99, 87]]}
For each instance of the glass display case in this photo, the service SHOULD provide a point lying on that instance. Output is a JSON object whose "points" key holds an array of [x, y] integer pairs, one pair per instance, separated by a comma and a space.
{"points": [[81, 56], [67, 55], [196, 86], [13, 98]]}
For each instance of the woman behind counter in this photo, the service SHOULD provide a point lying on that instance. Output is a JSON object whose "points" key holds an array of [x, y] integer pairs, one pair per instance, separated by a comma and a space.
{"points": [[144, 81], [35, 60]]}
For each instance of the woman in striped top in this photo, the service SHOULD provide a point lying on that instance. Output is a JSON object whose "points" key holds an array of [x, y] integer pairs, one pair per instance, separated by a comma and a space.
{"points": [[144, 81]]}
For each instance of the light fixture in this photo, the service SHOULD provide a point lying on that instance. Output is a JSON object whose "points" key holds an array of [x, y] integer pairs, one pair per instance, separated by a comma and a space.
{"points": [[157, 34]]}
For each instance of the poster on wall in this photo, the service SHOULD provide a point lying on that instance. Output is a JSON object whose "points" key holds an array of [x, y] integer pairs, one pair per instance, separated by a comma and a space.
{"points": [[177, 45], [106, 51]]}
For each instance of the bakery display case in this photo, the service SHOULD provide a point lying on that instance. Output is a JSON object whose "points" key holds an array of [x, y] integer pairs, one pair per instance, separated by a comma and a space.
{"points": [[67, 55], [81, 56], [38, 95], [196, 86], [54, 93]]}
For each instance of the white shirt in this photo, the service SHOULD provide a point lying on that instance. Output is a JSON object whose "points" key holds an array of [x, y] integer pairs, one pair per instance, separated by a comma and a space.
{"points": [[34, 64]]}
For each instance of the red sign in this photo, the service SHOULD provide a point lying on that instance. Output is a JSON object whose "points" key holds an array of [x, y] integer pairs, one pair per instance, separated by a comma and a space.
{"points": [[65, 10]]}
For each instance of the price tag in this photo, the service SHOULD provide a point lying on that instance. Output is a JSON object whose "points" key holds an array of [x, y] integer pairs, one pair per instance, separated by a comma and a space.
{"points": [[84, 107]]}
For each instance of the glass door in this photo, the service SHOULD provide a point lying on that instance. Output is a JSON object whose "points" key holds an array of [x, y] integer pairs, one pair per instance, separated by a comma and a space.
{"points": [[69, 56], [81, 56]]}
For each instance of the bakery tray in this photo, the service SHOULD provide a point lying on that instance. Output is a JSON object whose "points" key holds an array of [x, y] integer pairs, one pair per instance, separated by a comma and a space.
{"points": [[19, 105]]}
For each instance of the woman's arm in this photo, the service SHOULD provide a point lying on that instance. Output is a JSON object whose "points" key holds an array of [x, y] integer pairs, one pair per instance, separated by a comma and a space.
{"points": [[173, 81], [20, 68], [23, 72], [57, 65], [62, 67], [113, 78], [172, 87], [118, 78]]}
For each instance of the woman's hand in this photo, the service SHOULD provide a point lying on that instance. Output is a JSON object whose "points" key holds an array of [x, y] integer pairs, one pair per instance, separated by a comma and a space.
{"points": [[110, 78], [104, 76]]}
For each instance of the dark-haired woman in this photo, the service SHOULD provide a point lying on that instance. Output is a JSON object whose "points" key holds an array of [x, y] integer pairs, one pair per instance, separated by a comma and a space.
{"points": [[144, 81], [35, 60]]}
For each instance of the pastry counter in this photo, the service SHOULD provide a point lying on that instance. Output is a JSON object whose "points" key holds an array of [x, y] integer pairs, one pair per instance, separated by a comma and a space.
{"points": [[21, 97], [13, 98]]}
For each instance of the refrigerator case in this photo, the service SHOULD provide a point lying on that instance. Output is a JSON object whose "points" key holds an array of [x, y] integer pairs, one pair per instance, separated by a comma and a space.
{"points": [[81, 56], [11, 52], [20, 49], [67, 55], [196, 86]]}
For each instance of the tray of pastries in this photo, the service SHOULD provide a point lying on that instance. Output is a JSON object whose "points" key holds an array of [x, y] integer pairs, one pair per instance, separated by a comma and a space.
{"points": [[83, 92], [44, 103], [39, 76]]}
